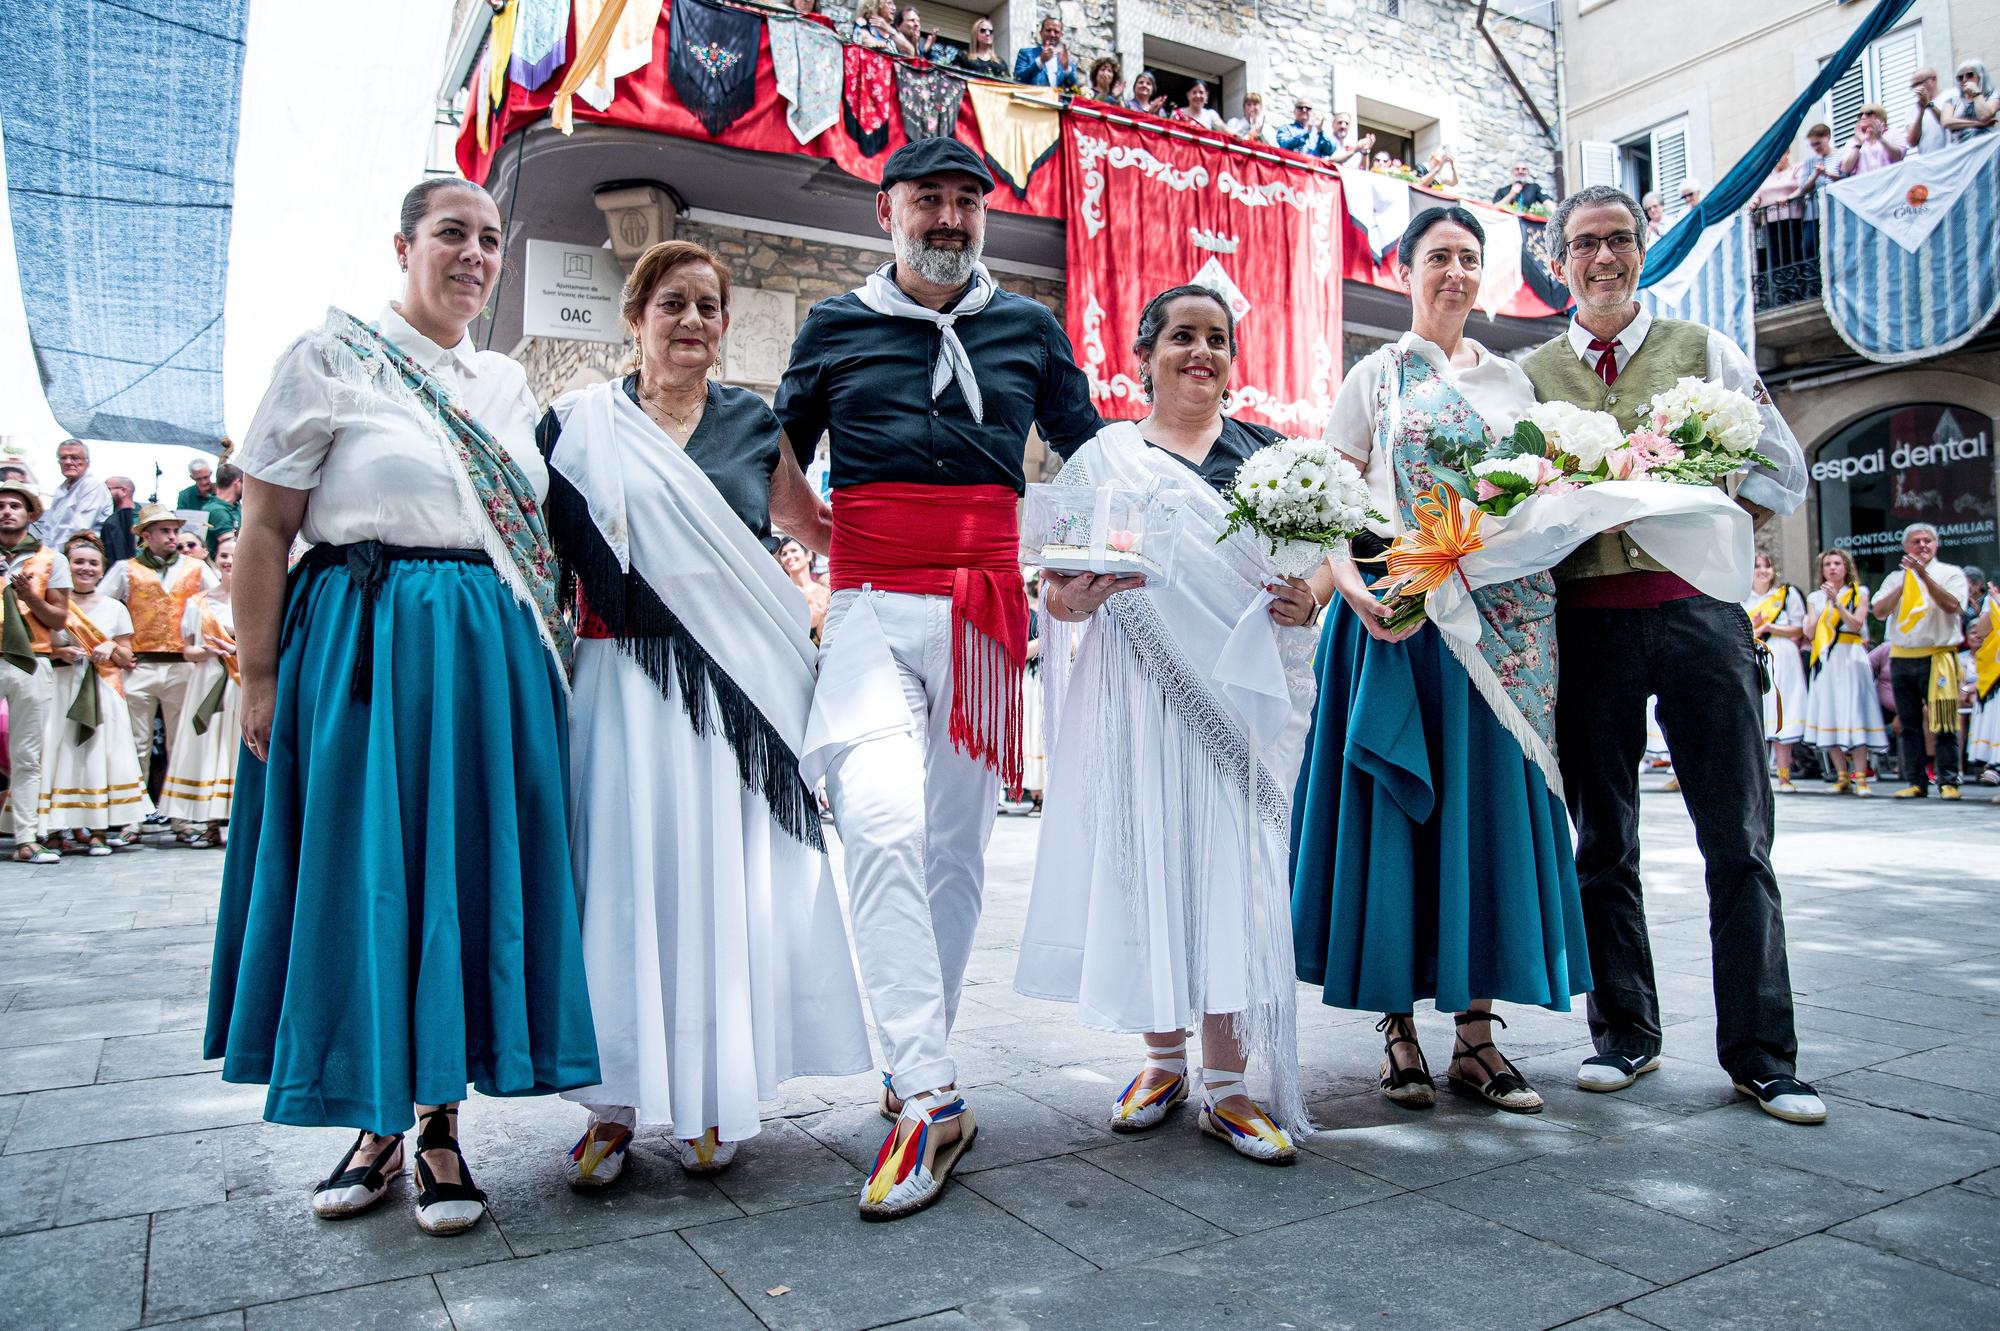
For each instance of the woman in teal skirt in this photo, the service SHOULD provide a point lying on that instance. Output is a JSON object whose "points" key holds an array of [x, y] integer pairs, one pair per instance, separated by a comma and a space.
{"points": [[398, 916], [1431, 853]]}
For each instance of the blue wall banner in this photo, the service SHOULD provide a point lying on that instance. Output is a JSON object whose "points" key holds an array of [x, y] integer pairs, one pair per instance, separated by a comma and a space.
{"points": [[1906, 252], [120, 177], [1714, 285]]}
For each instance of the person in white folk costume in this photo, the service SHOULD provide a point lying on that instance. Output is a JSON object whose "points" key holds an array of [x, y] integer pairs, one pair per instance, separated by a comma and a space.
{"points": [[1982, 743], [37, 603], [156, 585], [201, 755], [1920, 602], [1162, 891], [1777, 619], [92, 779], [713, 942], [1843, 710]]}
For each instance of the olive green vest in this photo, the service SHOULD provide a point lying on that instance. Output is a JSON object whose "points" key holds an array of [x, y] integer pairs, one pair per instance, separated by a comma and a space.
{"points": [[1672, 348]]}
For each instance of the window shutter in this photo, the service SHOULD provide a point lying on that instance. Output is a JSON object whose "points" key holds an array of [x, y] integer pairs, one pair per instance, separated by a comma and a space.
{"points": [[1597, 163], [1846, 98], [1670, 165], [1896, 57]]}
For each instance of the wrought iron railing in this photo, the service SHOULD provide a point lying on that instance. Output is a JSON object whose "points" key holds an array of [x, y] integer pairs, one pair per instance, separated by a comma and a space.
{"points": [[1787, 238]]}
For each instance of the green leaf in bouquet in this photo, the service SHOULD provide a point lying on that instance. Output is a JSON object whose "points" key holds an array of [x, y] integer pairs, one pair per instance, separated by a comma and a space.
{"points": [[1690, 431], [1526, 438], [1455, 479]]}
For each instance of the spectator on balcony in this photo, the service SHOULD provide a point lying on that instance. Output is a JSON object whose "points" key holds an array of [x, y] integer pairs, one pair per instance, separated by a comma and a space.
{"points": [[1868, 150], [1656, 216], [910, 28], [1522, 192], [1198, 111], [1776, 212], [1307, 133], [809, 11], [983, 59], [1973, 112], [1146, 95], [1926, 132], [1691, 192], [1348, 148], [1107, 82], [1251, 124], [1440, 170], [875, 28], [1048, 64]]}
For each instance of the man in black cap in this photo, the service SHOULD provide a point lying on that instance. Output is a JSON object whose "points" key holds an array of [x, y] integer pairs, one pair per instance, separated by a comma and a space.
{"points": [[927, 379]]}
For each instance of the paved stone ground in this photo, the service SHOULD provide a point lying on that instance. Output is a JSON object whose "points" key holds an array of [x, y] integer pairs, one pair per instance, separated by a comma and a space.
{"points": [[137, 1189]]}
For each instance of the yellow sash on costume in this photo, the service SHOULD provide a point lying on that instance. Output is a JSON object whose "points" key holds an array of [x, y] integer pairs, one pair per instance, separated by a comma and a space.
{"points": [[157, 608], [1830, 626], [1986, 658], [1910, 610], [89, 637], [1765, 613]]}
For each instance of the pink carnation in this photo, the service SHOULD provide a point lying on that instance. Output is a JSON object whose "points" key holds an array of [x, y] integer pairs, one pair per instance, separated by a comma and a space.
{"points": [[1483, 490], [1626, 464], [1560, 487]]}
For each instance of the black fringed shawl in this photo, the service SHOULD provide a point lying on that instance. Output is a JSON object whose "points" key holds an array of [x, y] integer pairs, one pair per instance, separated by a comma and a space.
{"points": [[655, 640], [712, 61]]}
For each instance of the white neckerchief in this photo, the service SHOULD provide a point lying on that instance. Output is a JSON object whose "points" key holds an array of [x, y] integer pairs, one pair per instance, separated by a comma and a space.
{"points": [[881, 294]]}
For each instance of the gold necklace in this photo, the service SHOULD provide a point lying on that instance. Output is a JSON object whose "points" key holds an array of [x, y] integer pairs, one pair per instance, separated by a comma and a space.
{"points": [[680, 419]]}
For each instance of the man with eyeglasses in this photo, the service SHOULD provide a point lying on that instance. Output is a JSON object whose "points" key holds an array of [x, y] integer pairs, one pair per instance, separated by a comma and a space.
{"points": [[1307, 133], [1628, 629]]}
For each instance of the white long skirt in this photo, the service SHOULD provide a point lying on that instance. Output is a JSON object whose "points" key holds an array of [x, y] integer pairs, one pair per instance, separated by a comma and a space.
{"points": [[1982, 741], [1131, 942], [91, 785], [1785, 705], [1843, 710], [1034, 762], [201, 768], [713, 943]]}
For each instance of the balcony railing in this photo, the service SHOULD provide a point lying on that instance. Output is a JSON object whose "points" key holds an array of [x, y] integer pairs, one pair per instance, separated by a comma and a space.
{"points": [[1787, 254]]}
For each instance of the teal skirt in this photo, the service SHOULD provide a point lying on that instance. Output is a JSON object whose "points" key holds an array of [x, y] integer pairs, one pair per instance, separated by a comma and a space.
{"points": [[398, 915], [1430, 860]]}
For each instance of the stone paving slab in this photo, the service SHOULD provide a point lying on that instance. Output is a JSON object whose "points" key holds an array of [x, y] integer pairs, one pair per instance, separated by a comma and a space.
{"points": [[1674, 1204]]}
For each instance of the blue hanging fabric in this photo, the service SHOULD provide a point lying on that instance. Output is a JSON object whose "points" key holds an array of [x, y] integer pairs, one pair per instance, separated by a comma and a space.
{"points": [[1734, 189]]}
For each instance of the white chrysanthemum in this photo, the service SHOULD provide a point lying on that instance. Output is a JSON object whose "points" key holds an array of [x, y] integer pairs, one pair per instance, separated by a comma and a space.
{"points": [[1587, 436], [1730, 420]]}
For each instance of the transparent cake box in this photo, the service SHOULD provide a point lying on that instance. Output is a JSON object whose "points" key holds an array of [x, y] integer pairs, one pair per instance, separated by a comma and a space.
{"points": [[1070, 529]]}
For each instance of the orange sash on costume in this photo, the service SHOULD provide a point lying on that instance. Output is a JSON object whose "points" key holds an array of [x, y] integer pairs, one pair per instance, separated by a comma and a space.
{"points": [[211, 627], [38, 566], [88, 636]]}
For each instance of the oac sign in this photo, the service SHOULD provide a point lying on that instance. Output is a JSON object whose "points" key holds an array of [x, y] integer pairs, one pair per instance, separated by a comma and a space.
{"points": [[572, 292]]}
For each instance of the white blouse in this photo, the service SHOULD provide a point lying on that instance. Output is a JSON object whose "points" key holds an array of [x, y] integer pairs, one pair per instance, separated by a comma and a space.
{"points": [[1816, 607], [106, 614], [375, 468], [1496, 387]]}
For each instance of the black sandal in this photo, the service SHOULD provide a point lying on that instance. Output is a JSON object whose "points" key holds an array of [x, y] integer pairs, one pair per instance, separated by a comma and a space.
{"points": [[1505, 1089], [351, 1189], [1411, 1088], [444, 1208]]}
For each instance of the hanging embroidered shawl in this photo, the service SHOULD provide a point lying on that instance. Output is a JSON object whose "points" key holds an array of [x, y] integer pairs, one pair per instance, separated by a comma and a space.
{"points": [[491, 485], [1020, 126], [541, 32], [930, 98], [687, 592], [870, 97], [712, 61], [1189, 713], [807, 59], [1514, 665]]}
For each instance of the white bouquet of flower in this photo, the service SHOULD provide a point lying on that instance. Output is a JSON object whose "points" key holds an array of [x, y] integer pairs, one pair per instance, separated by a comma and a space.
{"points": [[1298, 490], [1696, 433], [1573, 438]]}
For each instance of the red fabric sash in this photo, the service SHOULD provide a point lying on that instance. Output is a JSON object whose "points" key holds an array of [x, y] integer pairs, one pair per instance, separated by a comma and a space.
{"points": [[961, 541]]}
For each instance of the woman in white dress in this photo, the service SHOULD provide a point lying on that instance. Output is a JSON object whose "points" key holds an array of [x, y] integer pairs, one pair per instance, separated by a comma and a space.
{"points": [[201, 762], [1777, 619], [1982, 743], [92, 781], [713, 942], [1843, 710], [1161, 898]]}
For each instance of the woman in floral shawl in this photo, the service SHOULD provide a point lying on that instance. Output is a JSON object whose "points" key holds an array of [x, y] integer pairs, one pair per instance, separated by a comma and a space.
{"points": [[1431, 853]]}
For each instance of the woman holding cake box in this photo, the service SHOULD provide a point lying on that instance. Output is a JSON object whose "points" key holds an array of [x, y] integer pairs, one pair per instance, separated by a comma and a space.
{"points": [[1161, 889]]}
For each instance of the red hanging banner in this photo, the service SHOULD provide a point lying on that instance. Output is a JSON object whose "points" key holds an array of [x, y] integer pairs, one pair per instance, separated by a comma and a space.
{"points": [[1148, 211]]}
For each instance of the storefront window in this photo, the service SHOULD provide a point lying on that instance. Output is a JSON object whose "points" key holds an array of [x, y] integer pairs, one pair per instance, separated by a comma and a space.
{"points": [[1925, 462]]}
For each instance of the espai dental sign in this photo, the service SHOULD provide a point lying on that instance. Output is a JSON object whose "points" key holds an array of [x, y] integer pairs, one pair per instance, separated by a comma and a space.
{"points": [[1902, 457]]}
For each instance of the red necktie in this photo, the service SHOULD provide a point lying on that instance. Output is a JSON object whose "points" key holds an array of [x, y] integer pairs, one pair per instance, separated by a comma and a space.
{"points": [[1607, 362]]}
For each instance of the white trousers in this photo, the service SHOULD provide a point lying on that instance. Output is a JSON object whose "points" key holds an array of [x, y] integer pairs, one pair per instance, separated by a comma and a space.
{"points": [[29, 699], [155, 688], [914, 815]]}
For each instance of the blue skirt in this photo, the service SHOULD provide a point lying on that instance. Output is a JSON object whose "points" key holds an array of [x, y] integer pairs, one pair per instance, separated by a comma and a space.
{"points": [[398, 915], [1429, 857]]}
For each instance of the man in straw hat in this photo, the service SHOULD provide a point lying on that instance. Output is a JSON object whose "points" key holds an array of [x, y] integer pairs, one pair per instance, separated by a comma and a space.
{"points": [[36, 600], [156, 585]]}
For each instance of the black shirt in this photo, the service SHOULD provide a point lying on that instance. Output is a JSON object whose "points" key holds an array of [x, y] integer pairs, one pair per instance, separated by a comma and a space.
{"points": [[1231, 449], [735, 443], [116, 533], [1531, 194], [866, 378]]}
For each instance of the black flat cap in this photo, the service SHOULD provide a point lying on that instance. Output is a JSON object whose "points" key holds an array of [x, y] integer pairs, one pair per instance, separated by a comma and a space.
{"points": [[930, 157]]}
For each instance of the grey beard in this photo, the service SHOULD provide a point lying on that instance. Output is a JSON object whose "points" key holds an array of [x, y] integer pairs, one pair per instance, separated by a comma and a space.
{"points": [[945, 268]]}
